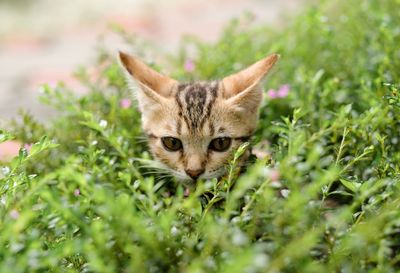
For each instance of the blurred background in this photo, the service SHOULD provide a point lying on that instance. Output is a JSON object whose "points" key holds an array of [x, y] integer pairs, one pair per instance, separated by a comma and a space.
{"points": [[44, 41]]}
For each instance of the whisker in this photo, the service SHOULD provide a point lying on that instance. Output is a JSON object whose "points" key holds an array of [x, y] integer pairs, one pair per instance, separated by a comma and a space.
{"points": [[161, 177], [139, 136], [146, 167], [158, 169], [153, 172], [141, 141]]}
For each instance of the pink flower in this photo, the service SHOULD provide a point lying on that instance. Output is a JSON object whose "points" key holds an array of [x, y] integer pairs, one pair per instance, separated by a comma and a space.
{"points": [[28, 147], [274, 175], [125, 103], [282, 92], [272, 94], [186, 192], [189, 66], [14, 214], [77, 192]]}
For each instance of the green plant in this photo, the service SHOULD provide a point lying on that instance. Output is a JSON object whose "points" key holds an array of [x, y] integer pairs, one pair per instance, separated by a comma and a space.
{"points": [[79, 200]]}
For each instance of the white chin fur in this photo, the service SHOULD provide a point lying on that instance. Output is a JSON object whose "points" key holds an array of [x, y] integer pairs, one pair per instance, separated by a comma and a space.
{"points": [[216, 174]]}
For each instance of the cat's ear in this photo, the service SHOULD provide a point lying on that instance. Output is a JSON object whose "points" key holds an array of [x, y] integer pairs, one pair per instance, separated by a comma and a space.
{"points": [[242, 88], [154, 85]]}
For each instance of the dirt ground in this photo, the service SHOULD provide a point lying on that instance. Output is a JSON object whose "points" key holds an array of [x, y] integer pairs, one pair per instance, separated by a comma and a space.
{"points": [[45, 41]]}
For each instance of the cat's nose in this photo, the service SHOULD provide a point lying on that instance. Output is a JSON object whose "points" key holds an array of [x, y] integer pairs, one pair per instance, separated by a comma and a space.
{"points": [[194, 174]]}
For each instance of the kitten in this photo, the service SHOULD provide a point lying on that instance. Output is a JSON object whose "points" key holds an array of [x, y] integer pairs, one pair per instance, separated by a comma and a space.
{"points": [[193, 128]]}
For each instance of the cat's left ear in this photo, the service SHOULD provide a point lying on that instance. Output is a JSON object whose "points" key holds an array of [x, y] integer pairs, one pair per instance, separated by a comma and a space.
{"points": [[242, 89]]}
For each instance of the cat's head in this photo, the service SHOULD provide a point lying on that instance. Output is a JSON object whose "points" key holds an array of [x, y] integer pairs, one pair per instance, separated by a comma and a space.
{"points": [[193, 128]]}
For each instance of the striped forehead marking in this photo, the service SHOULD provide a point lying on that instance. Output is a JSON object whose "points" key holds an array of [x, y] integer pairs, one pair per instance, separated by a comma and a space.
{"points": [[195, 101]]}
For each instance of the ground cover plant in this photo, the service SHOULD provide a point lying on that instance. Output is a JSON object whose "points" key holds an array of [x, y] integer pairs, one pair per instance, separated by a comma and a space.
{"points": [[322, 197]]}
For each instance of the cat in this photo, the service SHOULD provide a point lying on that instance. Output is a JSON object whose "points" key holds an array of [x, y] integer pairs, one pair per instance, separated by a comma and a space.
{"points": [[193, 128]]}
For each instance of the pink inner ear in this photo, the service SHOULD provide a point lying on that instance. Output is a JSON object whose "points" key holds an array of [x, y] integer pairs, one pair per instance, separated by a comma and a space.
{"points": [[248, 77], [146, 76]]}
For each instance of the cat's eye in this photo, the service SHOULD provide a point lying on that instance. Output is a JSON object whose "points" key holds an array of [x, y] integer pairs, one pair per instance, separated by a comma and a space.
{"points": [[220, 144], [171, 144]]}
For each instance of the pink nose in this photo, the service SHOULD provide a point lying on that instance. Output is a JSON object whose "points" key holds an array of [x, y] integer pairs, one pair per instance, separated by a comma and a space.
{"points": [[194, 174]]}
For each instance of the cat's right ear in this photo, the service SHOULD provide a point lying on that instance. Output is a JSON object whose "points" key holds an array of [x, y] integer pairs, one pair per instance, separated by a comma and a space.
{"points": [[155, 86]]}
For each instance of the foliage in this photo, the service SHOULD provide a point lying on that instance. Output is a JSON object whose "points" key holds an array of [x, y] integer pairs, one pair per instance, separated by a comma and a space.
{"points": [[79, 199]]}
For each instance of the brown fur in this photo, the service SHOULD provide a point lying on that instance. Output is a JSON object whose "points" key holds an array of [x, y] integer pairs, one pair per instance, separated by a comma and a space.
{"points": [[196, 113]]}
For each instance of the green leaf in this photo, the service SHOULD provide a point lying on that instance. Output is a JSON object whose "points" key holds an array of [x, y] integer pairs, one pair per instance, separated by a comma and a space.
{"points": [[4, 136], [350, 185]]}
